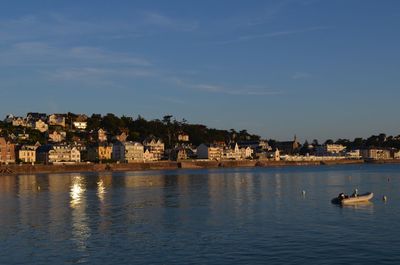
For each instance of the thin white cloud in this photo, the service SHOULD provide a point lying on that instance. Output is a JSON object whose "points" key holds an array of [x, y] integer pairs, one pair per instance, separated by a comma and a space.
{"points": [[43, 54], [88, 72], [165, 22], [270, 35], [54, 27], [243, 91], [301, 75]]}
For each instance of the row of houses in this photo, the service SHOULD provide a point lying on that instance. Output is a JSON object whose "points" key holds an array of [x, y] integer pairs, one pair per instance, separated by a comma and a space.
{"points": [[41, 122], [121, 151], [154, 150]]}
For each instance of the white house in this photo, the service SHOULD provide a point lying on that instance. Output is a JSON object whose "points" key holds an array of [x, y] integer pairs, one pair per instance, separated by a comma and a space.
{"points": [[41, 126], [64, 154], [156, 147], [27, 153], [375, 154], [128, 152], [80, 122], [232, 152], [57, 137]]}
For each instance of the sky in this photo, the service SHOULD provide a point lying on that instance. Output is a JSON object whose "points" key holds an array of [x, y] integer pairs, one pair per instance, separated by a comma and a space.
{"points": [[317, 69]]}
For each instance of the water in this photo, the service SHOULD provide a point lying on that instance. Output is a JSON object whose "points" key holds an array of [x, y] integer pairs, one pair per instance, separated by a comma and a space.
{"points": [[218, 216]]}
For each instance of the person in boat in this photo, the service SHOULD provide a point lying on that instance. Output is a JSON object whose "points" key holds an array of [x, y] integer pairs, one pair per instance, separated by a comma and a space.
{"points": [[341, 196], [355, 193]]}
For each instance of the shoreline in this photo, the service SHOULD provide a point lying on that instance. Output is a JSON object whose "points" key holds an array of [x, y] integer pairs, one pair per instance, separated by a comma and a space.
{"points": [[15, 169]]}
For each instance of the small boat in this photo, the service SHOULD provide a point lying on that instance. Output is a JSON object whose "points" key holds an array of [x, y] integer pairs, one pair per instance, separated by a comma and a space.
{"points": [[344, 199]]}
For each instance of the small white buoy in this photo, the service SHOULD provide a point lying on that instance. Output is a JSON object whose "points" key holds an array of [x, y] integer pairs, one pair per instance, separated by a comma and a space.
{"points": [[384, 198], [303, 193]]}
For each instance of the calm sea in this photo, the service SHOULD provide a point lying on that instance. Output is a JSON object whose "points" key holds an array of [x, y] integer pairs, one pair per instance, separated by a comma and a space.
{"points": [[218, 216]]}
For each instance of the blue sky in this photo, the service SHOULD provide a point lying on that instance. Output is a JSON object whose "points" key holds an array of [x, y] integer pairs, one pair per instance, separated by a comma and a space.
{"points": [[318, 69]]}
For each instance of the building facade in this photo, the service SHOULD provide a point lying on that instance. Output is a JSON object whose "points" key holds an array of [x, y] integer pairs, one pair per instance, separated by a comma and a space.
{"points": [[99, 152], [27, 153], [56, 120], [376, 154], [211, 152], [128, 152], [64, 154], [156, 147], [7, 151]]}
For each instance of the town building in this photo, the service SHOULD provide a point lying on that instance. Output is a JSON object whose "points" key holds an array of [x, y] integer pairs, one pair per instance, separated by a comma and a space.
{"points": [[289, 147], [7, 151], [102, 135], [353, 154], [211, 152], [64, 154], [18, 121], [330, 150], [27, 153], [99, 152], [23, 136], [128, 152], [183, 137], [56, 120], [246, 152], [80, 122], [396, 154], [122, 137], [232, 152], [57, 137], [376, 154], [41, 126], [156, 147], [255, 145], [35, 116]]}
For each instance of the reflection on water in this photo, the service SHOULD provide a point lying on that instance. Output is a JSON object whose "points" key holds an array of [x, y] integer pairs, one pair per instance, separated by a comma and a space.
{"points": [[77, 190], [101, 189], [80, 228], [359, 206], [228, 216]]}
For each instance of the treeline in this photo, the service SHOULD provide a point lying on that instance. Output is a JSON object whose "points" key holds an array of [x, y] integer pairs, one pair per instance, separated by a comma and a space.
{"points": [[167, 128], [374, 141], [380, 141]]}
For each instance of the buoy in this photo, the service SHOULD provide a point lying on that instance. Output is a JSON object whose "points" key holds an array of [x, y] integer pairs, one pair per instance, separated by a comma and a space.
{"points": [[384, 198], [303, 192], [38, 187]]}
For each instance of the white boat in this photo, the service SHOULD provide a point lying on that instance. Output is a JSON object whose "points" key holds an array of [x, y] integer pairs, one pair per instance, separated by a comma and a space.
{"points": [[344, 199]]}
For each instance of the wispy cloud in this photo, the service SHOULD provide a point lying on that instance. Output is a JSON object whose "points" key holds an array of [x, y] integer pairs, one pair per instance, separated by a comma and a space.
{"points": [[301, 75], [236, 91], [95, 73], [51, 27], [270, 35], [165, 22], [229, 90], [270, 12], [44, 54]]}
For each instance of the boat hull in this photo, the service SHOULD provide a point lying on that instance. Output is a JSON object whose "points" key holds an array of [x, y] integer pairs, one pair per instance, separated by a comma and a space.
{"points": [[354, 199]]}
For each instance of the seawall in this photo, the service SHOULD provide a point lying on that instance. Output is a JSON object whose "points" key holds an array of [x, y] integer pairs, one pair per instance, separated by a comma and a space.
{"points": [[161, 165]]}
